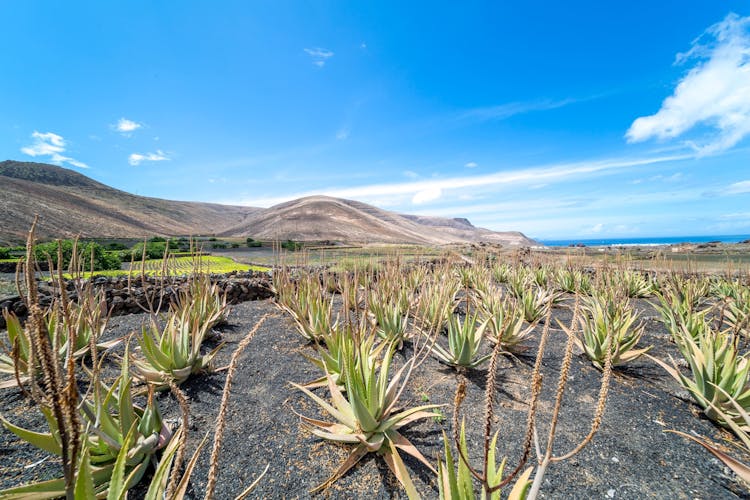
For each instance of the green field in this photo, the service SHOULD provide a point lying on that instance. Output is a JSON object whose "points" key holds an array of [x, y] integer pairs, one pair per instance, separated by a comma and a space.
{"points": [[180, 265]]}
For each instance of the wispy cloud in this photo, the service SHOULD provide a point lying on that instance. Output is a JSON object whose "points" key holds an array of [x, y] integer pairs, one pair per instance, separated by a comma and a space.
{"points": [[503, 111], [126, 127], [471, 164], [342, 134], [421, 191], [736, 215], [138, 158], [427, 195], [319, 55], [738, 188], [715, 92], [52, 146]]}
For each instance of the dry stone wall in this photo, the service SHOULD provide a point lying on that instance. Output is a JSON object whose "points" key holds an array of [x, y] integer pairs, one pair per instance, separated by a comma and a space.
{"points": [[125, 297]]}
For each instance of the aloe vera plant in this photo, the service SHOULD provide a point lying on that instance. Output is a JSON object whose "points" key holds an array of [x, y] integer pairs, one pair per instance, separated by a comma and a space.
{"points": [[464, 342], [367, 416], [720, 376], [205, 303], [119, 441], [338, 346], [506, 323], [310, 308], [455, 482], [390, 319], [88, 320], [535, 301], [608, 323], [634, 284], [174, 352], [435, 304]]}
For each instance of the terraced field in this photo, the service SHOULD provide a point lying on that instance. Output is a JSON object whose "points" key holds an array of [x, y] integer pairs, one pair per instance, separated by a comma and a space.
{"points": [[181, 265]]}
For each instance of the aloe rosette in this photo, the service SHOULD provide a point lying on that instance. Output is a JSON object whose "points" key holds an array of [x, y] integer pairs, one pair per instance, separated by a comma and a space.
{"points": [[367, 418]]}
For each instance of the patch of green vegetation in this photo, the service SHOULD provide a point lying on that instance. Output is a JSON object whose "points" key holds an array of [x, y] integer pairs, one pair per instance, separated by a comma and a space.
{"points": [[86, 252], [10, 259], [291, 245], [181, 265]]}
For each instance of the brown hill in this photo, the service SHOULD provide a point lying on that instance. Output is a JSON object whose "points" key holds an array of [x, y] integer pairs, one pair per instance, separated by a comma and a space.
{"points": [[316, 218], [70, 203]]}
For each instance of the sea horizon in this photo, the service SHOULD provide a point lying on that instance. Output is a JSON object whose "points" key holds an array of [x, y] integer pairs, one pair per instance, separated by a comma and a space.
{"points": [[644, 241]]}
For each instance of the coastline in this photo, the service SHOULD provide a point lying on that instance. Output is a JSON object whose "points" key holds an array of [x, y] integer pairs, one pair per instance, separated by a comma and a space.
{"points": [[646, 241]]}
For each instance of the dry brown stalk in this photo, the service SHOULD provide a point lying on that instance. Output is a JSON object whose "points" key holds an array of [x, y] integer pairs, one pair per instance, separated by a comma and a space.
{"points": [[563, 380], [59, 398], [221, 418], [546, 458], [177, 465]]}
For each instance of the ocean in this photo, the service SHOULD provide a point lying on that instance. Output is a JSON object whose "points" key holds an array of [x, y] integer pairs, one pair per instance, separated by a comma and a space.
{"points": [[650, 241]]}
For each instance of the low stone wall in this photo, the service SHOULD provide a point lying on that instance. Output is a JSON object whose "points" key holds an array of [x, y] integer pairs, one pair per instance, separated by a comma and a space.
{"points": [[134, 297], [8, 267]]}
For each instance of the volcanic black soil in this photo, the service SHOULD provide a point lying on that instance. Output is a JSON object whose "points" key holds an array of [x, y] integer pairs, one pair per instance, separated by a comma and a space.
{"points": [[630, 457]]}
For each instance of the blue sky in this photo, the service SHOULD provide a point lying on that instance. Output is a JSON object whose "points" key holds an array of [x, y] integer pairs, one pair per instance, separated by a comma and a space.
{"points": [[559, 119]]}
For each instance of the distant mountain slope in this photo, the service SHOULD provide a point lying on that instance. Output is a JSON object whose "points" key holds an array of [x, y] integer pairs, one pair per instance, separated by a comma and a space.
{"points": [[70, 203], [325, 218]]}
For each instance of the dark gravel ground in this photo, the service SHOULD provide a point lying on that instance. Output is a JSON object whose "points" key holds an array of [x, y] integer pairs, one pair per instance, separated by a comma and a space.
{"points": [[630, 457]]}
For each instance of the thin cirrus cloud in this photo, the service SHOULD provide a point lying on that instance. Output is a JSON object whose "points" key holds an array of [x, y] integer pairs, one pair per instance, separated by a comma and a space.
{"points": [[504, 111], [52, 146], [136, 159], [126, 127], [421, 192], [741, 187], [319, 55], [715, 92]]}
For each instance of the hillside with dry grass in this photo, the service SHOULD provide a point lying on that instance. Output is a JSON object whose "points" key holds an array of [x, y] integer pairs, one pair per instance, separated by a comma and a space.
{"points": [[69, 203], [316, 218]]}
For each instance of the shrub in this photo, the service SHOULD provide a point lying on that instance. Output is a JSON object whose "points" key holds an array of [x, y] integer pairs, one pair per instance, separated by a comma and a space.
{"points": [[154, 250], [292, 246], [84, 251], [4, 253]]}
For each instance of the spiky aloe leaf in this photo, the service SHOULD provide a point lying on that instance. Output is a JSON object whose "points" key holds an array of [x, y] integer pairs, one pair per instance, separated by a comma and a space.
{"points": [[84, 485], [43, 440]]}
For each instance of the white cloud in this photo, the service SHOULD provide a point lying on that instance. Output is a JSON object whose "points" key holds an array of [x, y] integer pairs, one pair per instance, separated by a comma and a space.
{"points": [[714, 93], [736, 215], [126, 127], [471, 164], [51, 145], [411, 174], [137, 158], [503, 111], [738, 188], [427, 195], [342, 134], [319, 55], [528, 176], [597, 228]]}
